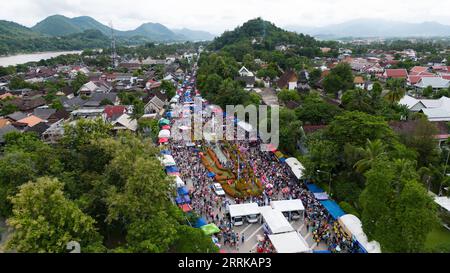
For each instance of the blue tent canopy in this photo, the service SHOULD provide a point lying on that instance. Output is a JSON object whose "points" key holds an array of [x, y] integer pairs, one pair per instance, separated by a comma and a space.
{"points": [[169, 114], [333, 208], [211, 174], [321, 251], [172, 169], [200, 222], [165, 152], [179, 200], [186, 199], [182, 191], [314, 188]]}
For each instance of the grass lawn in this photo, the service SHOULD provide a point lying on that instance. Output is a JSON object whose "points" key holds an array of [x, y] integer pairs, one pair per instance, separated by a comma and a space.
{"points": [[438, 236]]}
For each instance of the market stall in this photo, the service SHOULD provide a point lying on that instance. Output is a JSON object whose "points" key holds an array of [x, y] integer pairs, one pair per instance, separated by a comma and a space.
{"points": [[276, 222], [353, 227], [296, 167], [290, 242]]}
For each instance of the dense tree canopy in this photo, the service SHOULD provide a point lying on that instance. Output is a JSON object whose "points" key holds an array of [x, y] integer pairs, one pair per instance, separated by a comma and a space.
{"points": [[109, 194]]}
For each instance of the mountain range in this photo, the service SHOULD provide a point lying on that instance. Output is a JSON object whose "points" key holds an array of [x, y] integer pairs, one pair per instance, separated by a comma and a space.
{"points": [[59, 25], [365, 28]]}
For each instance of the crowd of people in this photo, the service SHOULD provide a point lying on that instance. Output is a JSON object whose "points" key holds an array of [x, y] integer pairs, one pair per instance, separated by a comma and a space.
{"points": [[278, 182]]}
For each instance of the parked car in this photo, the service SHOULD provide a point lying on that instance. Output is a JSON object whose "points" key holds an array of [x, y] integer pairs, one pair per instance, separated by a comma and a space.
{"points": [[218, 189]]}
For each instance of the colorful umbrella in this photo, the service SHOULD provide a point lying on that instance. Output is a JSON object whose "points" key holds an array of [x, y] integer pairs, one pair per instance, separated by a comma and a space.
{"points": [[186, 208], [163, 140], [164, 134], [210, 229], [164, 122]]}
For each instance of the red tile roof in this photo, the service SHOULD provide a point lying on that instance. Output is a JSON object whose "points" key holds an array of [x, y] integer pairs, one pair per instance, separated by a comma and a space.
{"points": [[112, 111], [413, 79], [396, 73], [418, 70]]}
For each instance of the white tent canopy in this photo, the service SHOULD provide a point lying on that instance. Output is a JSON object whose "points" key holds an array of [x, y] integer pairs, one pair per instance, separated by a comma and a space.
{"points": [[164, 134], [179, 182], [288, 205], [296, 167], [168, 160], [290, 242], [443, 201], [276, 221], [353, 226], [243, 209]]}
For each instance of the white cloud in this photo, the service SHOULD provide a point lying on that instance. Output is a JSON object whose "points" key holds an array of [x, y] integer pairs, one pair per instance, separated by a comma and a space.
{"points": [[218, 15]]}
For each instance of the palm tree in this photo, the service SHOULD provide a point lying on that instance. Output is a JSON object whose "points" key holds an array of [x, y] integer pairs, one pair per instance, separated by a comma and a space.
{"points": [[397, 90], [372, 150]]}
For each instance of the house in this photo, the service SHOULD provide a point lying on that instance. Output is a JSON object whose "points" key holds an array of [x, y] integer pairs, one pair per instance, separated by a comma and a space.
{"points": [[94, 87], [249, 81], [417, 70], [113, 112], [125, 122], [179, 73], [395, 74], [101, 99], [72, 103], [87, 113], [28, 103], [4, 122], [16, 116], [244, 72], [78, 69], [38, 129], [288, 80], [57, 116], [54, 133], [415, 79], [152, 84], [29, 121], [359, 82], [155, 105], [435, 110], [247, 77], [43, 113], [374, 69], [437, 83]]}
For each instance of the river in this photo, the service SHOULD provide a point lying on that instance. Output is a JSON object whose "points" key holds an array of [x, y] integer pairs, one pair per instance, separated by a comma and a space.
{"points": [[32, 57]]}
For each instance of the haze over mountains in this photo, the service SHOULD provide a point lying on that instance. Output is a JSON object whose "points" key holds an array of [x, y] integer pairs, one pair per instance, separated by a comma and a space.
{"points": [[58, 25], [375, 28]]}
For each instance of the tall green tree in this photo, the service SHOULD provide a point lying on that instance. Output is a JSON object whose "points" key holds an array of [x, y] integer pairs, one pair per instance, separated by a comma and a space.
{"points": [[396, 209], [44, 220]]}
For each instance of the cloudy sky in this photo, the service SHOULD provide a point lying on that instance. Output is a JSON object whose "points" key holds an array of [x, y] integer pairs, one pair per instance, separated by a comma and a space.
{"points": [[219, 15]]}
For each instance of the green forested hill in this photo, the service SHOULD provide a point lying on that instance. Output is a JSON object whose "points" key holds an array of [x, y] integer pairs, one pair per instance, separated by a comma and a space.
{"points": [[15, 38], [57, 25], [266, 34]]}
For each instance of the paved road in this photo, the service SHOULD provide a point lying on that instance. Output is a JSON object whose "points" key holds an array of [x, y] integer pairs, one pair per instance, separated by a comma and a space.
{"points": [[251, 232]]}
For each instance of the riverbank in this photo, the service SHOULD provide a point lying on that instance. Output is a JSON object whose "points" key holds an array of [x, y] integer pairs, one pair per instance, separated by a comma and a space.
{"points": [[33, 57]]}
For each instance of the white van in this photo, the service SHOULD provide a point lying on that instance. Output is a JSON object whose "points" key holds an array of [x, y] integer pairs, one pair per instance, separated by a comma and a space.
{"points": [[252, 218], [238, 221]]}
